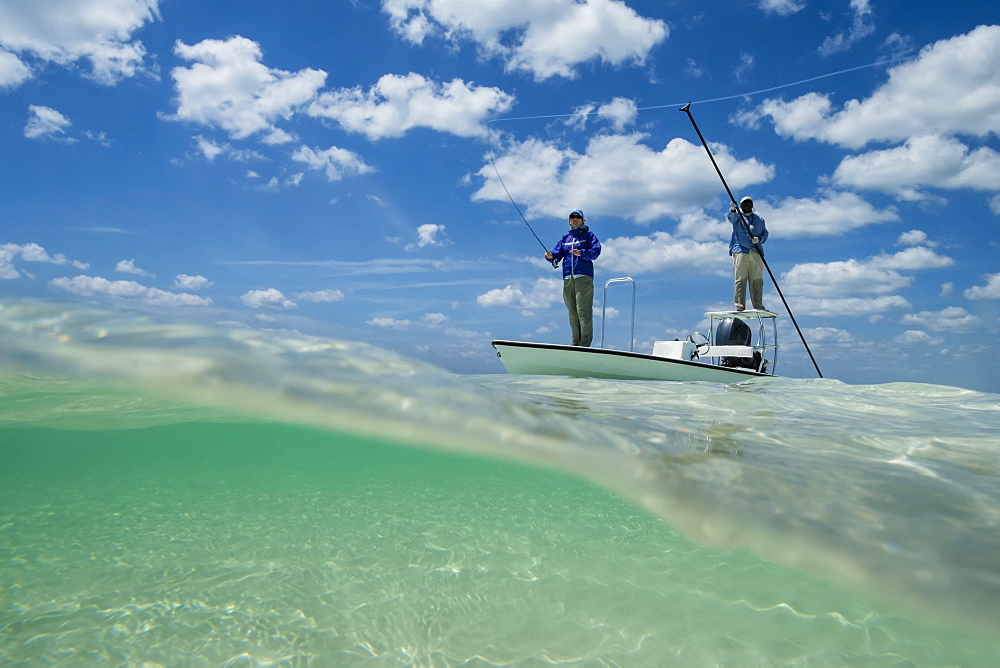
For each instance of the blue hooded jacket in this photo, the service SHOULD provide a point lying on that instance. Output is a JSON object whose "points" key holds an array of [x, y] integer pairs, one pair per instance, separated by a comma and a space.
{"points": [[590, 249]]}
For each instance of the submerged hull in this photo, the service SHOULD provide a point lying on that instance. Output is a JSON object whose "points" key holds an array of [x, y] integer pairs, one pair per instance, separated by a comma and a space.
{"points": [[550, 359]]}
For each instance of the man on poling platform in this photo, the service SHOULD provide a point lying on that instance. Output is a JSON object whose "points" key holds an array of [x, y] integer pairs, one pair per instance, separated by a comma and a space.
{"points": [[748, 265]]}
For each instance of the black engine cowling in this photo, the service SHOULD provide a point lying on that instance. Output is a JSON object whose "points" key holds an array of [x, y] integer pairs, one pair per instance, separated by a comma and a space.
{"points": [[735, 332]]}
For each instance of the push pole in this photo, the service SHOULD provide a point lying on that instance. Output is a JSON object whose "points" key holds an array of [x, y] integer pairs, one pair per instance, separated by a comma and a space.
{"points": [[687, 110]]}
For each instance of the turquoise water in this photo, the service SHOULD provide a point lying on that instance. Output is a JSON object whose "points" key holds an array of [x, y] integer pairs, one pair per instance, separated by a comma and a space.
{"points": [[175, 495]]}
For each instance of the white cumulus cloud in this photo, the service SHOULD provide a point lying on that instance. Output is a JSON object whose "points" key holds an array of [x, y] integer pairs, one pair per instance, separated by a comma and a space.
{"points": [[46, 123], [952, 87], [914, 238], [618, 174], [781, 7], [849, 306], [187, 282], [210, 149], [832, 213], [66, 31], [31, 252], [931, 160], [399, 103], [661, 251], [547, 39], [991, 290], [918, 336], [270, 298], [911, 259], [335, 162], [390, 323], [319, 296], [228, 87], [91, 286], [860, 287], [128, 267], [13, 72], [620, 113], [846, 277], [428, 234], [862, 25], [539, 295], [953, 319]]}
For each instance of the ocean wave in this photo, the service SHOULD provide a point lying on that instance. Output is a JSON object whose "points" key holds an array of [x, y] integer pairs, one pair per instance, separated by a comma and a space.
{"points": [[891, 488]]}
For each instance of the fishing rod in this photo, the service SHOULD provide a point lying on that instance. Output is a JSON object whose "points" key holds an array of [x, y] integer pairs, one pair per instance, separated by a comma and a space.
{"points": [[687, 110], [489, 140]]}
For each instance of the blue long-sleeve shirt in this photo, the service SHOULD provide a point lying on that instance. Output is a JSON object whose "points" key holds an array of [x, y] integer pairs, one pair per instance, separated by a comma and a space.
{"points": [[740, 241], [589, 246]]}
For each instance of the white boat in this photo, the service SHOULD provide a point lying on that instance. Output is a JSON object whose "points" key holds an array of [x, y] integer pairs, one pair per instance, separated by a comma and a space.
{"points": [[739, 345]]}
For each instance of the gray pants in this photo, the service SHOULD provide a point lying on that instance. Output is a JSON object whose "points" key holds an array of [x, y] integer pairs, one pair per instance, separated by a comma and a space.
{"points": [[748, 267], [578, 294]]}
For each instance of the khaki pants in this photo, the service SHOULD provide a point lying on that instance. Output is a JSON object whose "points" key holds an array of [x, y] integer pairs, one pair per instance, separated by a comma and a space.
{"points": [[578, 294], [748, 267]]}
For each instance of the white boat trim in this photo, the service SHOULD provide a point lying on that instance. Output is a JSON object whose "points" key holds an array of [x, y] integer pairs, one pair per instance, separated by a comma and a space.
{"points": [[547, 359]]}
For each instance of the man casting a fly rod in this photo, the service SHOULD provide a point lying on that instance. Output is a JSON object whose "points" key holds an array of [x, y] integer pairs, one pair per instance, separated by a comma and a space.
{"points": [[577, 250], [748, 266]]}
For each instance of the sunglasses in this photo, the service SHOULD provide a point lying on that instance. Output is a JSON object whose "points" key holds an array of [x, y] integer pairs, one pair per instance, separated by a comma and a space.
{"points": [[576, 217]]}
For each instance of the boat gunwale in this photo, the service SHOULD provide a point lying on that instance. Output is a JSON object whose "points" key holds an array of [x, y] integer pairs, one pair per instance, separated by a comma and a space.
{"points": [[625, 353]]}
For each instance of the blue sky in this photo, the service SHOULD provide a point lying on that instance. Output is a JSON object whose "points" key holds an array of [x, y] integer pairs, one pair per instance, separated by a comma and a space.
{"points": [[328, 168]]}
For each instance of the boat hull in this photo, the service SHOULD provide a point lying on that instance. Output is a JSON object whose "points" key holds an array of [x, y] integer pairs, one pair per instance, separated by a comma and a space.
{"points": [[551, 359]]}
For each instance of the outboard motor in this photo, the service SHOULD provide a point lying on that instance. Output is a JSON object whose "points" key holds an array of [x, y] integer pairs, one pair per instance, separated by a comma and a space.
{"points": [[735, 332]]}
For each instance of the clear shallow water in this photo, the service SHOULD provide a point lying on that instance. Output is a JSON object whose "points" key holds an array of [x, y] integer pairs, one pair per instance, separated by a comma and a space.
{"points": [[186, 495]]}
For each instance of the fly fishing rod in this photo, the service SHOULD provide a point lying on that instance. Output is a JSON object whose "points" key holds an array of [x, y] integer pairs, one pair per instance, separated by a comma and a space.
{"points": [[687, 110], [554, 262]]}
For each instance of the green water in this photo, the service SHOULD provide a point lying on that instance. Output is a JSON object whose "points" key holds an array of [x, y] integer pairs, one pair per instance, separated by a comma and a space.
{"points": [[242, 544]]}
